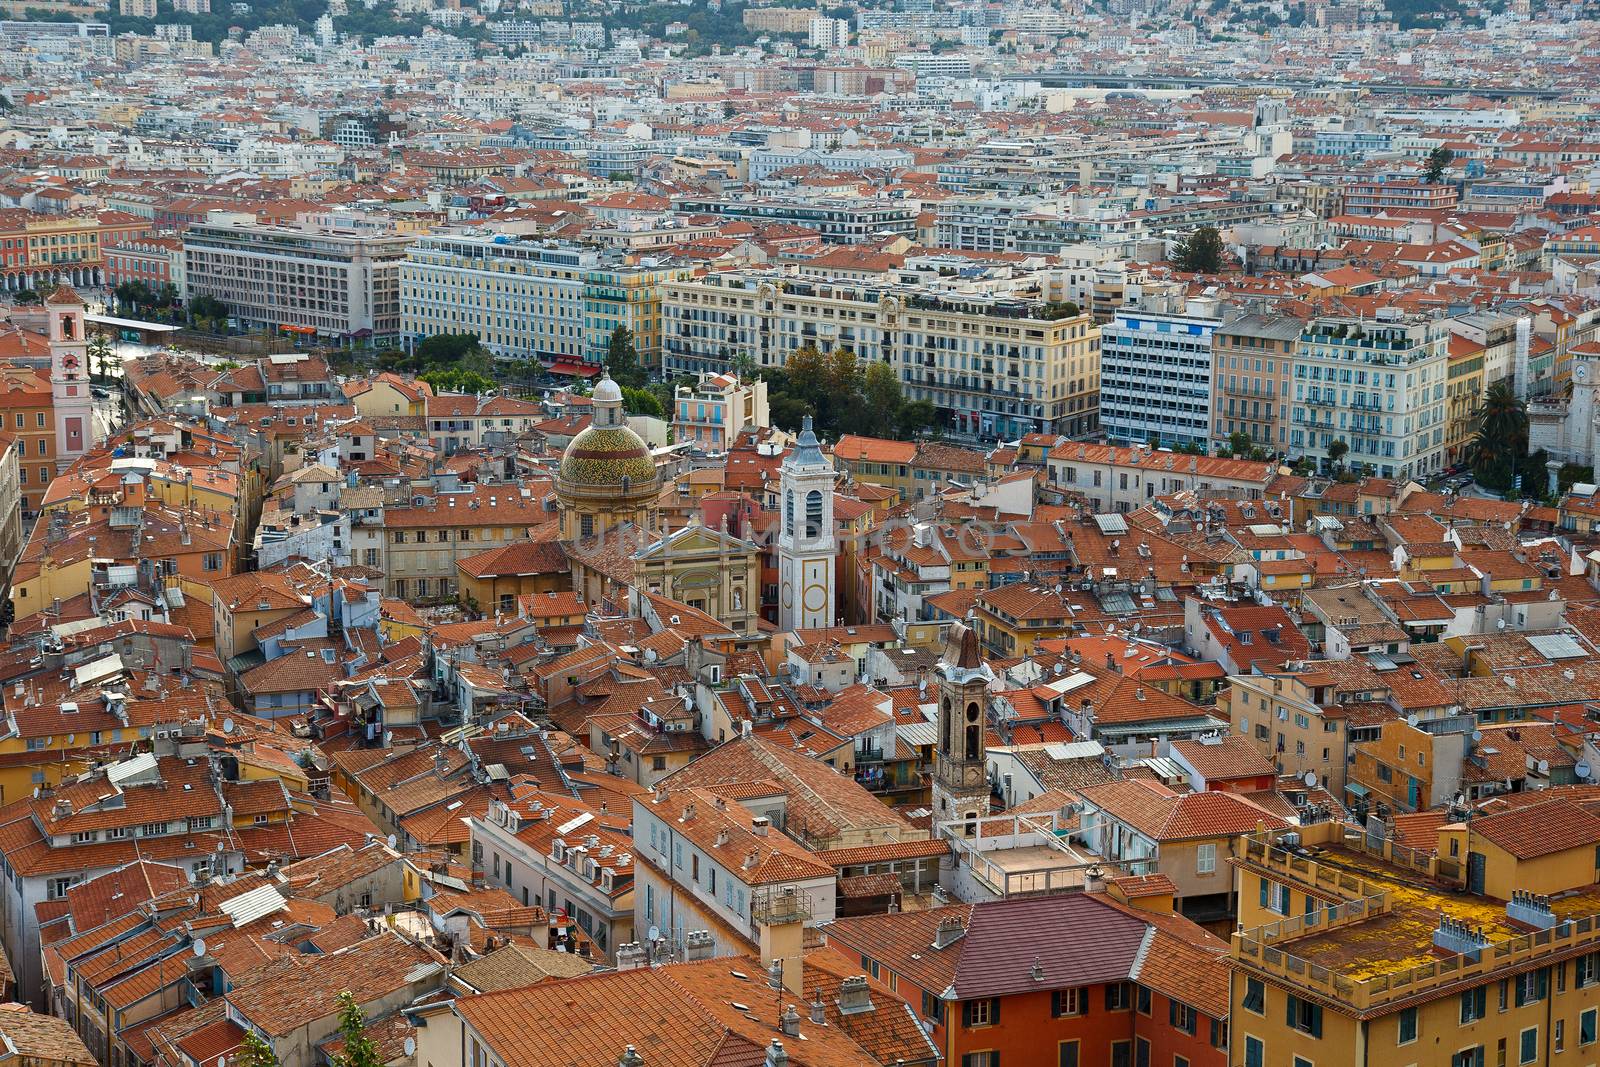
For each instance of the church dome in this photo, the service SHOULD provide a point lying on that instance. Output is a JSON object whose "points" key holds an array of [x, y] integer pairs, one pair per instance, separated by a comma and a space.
{"points": [[605, 456]]}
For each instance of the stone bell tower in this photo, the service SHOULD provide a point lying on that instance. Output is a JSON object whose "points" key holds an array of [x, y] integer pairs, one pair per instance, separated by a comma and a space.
{"points": [[960, 779]]}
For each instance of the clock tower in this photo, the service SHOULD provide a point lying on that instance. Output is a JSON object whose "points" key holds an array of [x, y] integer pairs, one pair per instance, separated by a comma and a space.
{"points": [[807, 547], [69, 375], [960, 777]]}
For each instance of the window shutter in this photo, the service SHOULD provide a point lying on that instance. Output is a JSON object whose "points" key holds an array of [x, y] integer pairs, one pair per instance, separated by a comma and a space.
{"points": [[966, 1013], [1316, 1020], [994, 1020], [1055, 1002], [1172, 1012], [1263, 892], [1291, 1006]]}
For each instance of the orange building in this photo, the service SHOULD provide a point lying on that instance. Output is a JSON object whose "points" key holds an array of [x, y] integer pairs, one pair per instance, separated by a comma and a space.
{"points": [[1079, 979], [28, 414]]}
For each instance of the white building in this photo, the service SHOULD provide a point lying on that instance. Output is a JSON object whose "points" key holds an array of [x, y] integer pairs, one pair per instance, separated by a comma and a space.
{"points": [[1377, 385], [806, 545], [332, 284], [828, 33], [1155, 370]]}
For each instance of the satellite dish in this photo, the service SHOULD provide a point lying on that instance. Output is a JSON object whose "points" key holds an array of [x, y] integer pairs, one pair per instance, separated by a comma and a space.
{"points": [[71, 738], [653, 934], [227, 725], [410, 1046], [1581, 770], [1411, 720], [391, 840], [200, 946], [1310, 779], [1477, 735]]}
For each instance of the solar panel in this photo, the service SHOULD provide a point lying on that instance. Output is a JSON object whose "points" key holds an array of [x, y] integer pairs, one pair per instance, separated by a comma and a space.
{"points": [[1557, 646], [1111, 524], [248, 907]]}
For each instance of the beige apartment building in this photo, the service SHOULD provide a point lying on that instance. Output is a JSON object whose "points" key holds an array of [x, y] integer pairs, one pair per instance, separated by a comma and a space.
{"points": [[996, 365], [423, 542], [1252, 360]]}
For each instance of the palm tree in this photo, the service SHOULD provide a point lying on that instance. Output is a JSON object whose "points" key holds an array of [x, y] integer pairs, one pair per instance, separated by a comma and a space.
{"points": [[1500, 438]]}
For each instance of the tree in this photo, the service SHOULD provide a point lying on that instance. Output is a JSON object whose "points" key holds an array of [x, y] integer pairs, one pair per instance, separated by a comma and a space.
{"points": [[1500, 439], [1337, 451], [1438, 159], [641, 402], [100, 352], [1200, 252], [359, 1051], [444, 348], [881, 389], [207, 308], [255, 1052], [27, 296], [1240, 443], [622, 359]]}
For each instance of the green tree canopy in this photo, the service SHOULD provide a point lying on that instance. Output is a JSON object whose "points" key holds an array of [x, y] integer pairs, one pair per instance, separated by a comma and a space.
{"points": [[359, 1050], [457, 380], [1200, 252], [1438, 159]]}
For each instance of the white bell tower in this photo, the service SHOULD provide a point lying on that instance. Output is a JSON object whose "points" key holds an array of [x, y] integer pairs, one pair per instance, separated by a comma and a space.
{"points": [[69, 375], [807, 547]]}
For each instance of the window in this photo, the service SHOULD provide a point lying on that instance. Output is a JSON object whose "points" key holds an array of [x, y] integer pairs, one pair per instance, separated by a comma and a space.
{"points": [[1121, 1054], [1408, 1027], [1255, 1055], [980, 1012], [1141, 1052], [1064, 1002], [1144, 1001], [1255, 996], [1528, 1043], [1558, 1035], [1205, 859], [981, 1059], [932, 1007], [1586, 1026], [1468, 1057], [1301, 1061], [1180, 1061], [1533, 986], [1119, 997], [1585, 970], [212, 561], [1067, 1056], [1182, 1017], [1304, 1016]]}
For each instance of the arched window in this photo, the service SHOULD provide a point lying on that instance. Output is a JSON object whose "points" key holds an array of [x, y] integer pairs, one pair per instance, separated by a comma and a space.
{"points": [[947, 726], [974, 746], [814, 513]]}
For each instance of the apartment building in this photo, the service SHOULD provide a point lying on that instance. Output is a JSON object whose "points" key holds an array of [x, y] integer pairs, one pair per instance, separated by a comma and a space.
{"points": [[1155, 370], [424, 542], [717, 409], [839, 221], [156, 261], [1374, 198], [335, 285], [1252, 360], [1376, 385], [27, 412], [1469, 944], [549, 300], [994, 365]]}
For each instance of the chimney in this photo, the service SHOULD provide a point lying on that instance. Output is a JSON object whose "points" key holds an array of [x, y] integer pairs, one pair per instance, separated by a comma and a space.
{"points": [[949, 932], [630, 1058], [776, 1056], [1111, 662], [759, 825], [854, 996], [631, 957], [819, 1012], [790, 1022]]}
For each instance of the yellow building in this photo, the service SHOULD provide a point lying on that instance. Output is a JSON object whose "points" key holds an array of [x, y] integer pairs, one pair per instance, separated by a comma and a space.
{"points": [[388, 394], [1370, 951], [1294, 719], [1463, 393]]}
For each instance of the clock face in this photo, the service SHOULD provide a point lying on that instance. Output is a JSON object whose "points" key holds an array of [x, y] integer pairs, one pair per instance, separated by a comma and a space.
{"points": [[1581, 372]]}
